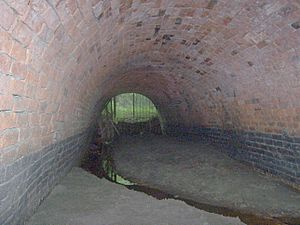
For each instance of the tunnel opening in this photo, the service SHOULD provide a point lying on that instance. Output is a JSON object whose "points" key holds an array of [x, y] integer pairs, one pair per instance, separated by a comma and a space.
{"points": [[130, 151], [223, 75], [129, 114], [126, 114]]}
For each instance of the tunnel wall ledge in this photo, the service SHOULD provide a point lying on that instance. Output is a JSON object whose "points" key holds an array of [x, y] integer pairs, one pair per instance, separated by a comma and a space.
{"points": [[27, 181], [276, 154]]}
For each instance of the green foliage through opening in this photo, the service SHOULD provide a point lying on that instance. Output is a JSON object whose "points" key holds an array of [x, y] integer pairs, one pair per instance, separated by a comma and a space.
{"points": [[130, 108]]}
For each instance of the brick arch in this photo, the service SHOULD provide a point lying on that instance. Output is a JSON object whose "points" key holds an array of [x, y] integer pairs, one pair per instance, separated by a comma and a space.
{"points": [[227, 66], [222, 50], [152, 84], [238, 58]]}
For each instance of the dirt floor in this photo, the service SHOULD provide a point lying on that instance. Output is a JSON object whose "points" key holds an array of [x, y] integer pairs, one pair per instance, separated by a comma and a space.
{"points": [[84, 199], [196, 170]]}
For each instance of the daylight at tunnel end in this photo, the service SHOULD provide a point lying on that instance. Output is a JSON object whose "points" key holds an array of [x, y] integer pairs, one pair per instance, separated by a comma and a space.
{"points": [[227, 71]]}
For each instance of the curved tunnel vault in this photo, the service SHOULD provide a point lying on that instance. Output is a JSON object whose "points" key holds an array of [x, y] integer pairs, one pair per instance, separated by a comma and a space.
{"points": [[225, 70]]}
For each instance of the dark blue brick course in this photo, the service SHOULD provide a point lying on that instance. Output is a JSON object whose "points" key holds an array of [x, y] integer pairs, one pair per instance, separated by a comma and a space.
{"points": [[273, 153], [27, 181]]}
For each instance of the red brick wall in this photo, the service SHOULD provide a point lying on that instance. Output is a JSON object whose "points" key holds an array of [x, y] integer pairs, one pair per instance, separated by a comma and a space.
{"points": [[229, 64]]}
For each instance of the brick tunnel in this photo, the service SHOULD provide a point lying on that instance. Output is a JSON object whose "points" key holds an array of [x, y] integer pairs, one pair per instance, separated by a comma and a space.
{"points": [[227, 71]]}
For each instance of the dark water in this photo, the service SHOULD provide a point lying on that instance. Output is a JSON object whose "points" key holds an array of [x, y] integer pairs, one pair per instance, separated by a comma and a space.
{"points": [[99, 162]]}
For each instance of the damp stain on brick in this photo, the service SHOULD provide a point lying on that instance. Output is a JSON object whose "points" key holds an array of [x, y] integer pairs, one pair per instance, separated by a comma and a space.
{"points": [[139, 24], [157, 41], [218, 89], [196, 41], [161, 12], [296, 25], [156, 30], [178, 21], [201, 72], [183, 42], [234, 52], [250, 63], [212, 4], [167, 37], [207, 61], [287, 10], [227, 20]]}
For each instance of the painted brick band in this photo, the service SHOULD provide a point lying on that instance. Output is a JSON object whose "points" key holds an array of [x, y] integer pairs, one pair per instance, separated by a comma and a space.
{"points": [[27, 181], [273, 153]]}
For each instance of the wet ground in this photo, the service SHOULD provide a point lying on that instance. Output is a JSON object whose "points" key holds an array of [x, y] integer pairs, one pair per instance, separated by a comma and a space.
{"points": [[84, 199], [201, 175]]}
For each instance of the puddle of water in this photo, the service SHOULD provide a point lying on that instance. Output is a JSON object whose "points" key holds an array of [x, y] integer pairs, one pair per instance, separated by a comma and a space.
{"points": [[114, 177], [106, 169]]}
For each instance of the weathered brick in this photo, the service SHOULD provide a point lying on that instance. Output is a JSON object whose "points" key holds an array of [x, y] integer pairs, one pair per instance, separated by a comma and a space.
{"points": [[6, 102], [18, 52], [5, 42], [9, 137], [46, 34], [20, 104], [5, 63], [19, 70], [34, 21], [8, 120], [4, 190], [51, 18], [296, 25], [17, 87], [266, 151], [39, 6], [30, 90], [8, 16], [22, 33], [71, 6], [205, 64], [19, 7], [4, 83], [22, 120]]}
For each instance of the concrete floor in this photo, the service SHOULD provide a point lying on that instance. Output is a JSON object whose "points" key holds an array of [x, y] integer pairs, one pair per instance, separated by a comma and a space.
{"points": [[198, 171], [84, 199]]}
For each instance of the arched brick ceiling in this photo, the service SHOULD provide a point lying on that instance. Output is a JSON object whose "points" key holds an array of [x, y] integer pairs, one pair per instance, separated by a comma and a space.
{"points": [[231, 64]]}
